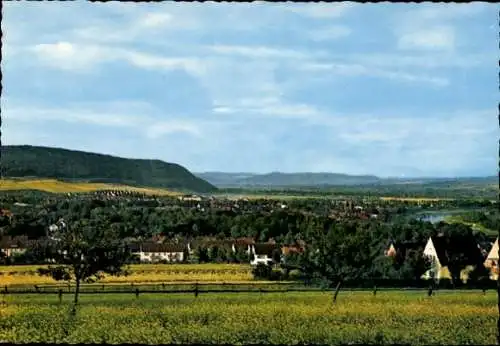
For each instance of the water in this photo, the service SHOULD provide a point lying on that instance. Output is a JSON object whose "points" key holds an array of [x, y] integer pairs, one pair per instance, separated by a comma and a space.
{"points": [[437, 216]]}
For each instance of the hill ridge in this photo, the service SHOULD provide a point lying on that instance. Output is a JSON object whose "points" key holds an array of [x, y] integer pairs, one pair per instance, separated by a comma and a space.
{"points": [[69, 164]]}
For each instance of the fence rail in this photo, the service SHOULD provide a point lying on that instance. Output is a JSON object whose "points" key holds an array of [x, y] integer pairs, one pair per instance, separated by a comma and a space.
{"points": [[206, 289]]}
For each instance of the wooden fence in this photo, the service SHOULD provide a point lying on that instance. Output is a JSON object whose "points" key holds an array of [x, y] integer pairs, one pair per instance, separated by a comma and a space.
{"points": [[196, 289]]}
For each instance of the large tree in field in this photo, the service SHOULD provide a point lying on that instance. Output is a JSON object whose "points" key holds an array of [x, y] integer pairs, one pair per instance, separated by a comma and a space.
{"points": [[344, 253], [84, 252]]}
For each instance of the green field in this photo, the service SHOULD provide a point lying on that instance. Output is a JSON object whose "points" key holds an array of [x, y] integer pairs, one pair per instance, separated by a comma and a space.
{"points": [[245, 318]]}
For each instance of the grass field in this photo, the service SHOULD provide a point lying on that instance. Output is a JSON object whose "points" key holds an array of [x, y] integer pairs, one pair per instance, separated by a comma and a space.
{"points": [[415, 199], [245, 318], [56, 186], [141, 273]]}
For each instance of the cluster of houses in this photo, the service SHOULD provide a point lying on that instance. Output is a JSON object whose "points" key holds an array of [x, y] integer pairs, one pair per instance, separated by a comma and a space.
{"points": [[157, 250], [441, 251]]}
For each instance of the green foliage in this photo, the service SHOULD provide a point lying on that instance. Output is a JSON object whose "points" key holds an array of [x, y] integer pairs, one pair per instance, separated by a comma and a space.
{"points": [[84, 252], [262, 271], [44, 162]]}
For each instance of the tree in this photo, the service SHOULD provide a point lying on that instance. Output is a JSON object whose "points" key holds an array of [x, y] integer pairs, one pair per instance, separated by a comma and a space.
{"points": [[342, 254], [202, 254], [84, 252]]}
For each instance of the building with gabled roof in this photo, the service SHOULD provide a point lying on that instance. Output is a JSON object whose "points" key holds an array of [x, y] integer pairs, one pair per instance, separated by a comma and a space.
{"points": [[441, 250], [491, 262]]}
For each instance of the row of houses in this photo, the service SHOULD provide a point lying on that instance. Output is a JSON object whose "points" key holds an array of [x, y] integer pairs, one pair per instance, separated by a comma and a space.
{"points": [[439, 250], [259, 253], [156, 250]]}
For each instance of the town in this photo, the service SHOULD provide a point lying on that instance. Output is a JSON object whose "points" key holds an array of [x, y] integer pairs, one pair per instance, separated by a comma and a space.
{"points": [[276, 233]]}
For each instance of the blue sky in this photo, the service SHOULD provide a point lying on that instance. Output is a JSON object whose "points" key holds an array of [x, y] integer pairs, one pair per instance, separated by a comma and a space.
{"points": [[384, 89]]}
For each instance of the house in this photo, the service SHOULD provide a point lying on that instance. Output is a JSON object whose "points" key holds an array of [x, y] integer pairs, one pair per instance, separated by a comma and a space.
{"points": [[391, 251], [195, 198], [263, 253], [440, 250], [491, 262], [12, 246], [155, 252], [399, 249]]}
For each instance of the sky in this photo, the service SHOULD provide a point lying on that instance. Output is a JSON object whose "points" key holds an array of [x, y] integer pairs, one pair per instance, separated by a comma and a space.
{"points": [[385, 89]]}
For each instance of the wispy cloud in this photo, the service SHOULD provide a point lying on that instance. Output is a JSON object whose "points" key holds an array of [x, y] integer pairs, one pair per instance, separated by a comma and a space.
{"points": [[332, 32], [437, 37], [257, 52], [110, 114], [321, 10], [356, 70]]}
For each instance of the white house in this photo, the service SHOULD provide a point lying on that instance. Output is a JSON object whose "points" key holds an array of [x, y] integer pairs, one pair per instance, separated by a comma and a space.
{"points": [[12, 246], [440, 252], [491, 261], [263, 253], [154, 252]]}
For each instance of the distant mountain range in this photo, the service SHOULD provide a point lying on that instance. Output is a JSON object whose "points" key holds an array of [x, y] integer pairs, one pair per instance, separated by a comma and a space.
{"points": [[283, 180], [25, 161]]}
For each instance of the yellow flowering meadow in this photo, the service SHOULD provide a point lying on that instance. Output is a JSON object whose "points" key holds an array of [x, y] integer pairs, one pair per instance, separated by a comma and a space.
{"points": [[243, 318], [141, 273]]}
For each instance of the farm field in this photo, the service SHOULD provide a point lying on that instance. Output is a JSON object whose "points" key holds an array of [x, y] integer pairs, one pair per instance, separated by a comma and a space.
{"points": [[415, 199], [141, 273], [56, 186], [246, 318]]}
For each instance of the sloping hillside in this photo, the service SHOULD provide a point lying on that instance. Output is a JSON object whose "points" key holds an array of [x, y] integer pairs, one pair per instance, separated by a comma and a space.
{"points": [[44, 162]]}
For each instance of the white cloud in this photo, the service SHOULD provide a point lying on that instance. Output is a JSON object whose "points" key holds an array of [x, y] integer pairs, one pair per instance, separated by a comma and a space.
{"points": [[333, 32], [107, 114], [270, 106], [70, 56], [258, 51], [421, 60], [83, 57], [437, 37], [354, 70], [155, 20], [167, 127], [320, 10]]}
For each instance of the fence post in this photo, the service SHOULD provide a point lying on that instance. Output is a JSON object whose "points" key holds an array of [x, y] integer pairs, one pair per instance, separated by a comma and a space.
{"points": [[103, 287], [136, 293], [60, 296], [375, 290], [196, 290]]}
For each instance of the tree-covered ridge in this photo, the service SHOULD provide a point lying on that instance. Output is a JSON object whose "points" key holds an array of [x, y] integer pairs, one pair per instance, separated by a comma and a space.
{"points": [[45, 162]]}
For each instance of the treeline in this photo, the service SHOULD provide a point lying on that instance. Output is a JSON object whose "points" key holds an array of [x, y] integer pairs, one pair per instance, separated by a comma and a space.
{"points": [[438, 190], [259, 219]]}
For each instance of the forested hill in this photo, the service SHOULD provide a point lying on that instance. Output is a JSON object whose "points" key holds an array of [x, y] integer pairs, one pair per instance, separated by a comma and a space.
{"points": [[45, 162]]}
